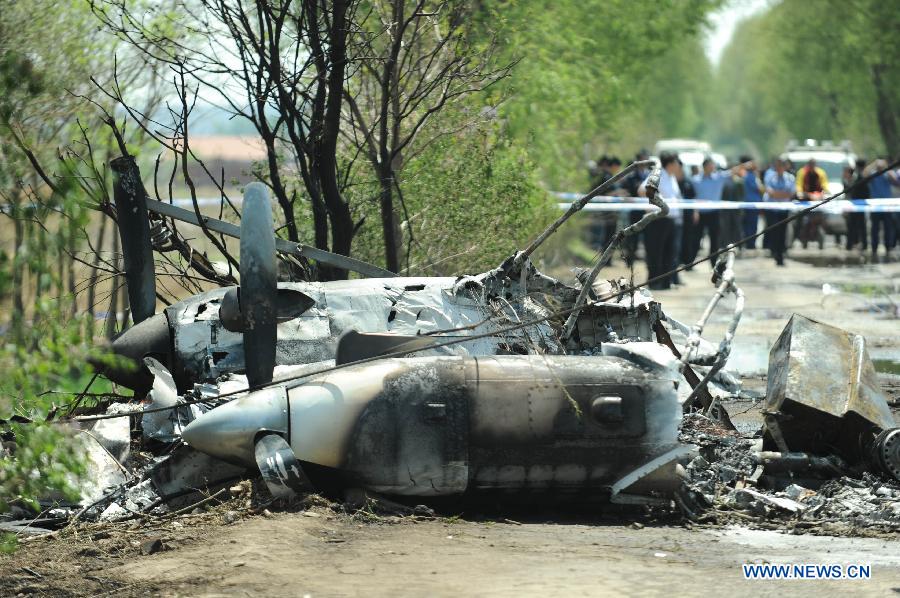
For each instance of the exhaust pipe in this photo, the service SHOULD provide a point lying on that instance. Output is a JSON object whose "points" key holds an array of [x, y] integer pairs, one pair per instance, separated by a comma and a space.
{"points": [[125, 365]]}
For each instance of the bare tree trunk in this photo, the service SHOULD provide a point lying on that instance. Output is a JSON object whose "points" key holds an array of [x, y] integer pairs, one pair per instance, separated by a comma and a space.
{"points": [[40, 281], [60, 243], [92, 284], [18, 276], [885, 111], [311, 182], [341, 220], [278, 189], [71, 235], [388, 219], [389, 91], [111, 313]]}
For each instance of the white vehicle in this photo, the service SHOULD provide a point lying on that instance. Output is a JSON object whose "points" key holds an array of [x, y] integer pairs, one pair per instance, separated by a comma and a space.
{"points": [[681, 145], [691, 152], [830, 157]]}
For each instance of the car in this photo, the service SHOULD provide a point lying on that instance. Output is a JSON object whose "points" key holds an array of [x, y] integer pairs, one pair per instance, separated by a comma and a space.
{"points": [[691, 152]]}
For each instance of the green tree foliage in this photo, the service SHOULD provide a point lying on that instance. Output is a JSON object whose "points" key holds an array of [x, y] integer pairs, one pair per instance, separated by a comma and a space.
{"points": [[583, 70], [472, 198], [42, 366], [817, 70], [677, 101], [48, 53], [37, 377]]}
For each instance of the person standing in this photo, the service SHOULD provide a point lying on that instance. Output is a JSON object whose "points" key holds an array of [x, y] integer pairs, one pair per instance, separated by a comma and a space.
{"points": [[690, 238], [752, 192], [893, 177], [710, 185], [730, 229], [812, 183], [811, 180], [780, 186], [632, 184], [678, 233], [856, 221], [659, 236], [880, 187]]}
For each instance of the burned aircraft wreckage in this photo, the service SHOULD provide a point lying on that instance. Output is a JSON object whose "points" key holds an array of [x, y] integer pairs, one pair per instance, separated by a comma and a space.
{"points": [[508, 381]]}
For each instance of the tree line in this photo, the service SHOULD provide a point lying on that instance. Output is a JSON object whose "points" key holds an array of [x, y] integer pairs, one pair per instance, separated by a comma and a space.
{"points": [[819, 70]]}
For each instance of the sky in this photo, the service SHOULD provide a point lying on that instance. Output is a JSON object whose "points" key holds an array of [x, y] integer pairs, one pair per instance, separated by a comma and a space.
{"points": [[723, 22]]}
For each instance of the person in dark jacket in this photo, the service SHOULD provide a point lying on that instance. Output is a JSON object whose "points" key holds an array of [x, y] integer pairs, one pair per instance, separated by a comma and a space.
{"points": [[632, 184], [730, 221], [690, 236], [856, 221], [660, 234]]}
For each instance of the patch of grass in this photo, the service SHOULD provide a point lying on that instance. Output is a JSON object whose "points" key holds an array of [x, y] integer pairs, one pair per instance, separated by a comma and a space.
{"points": [[8, 543]]}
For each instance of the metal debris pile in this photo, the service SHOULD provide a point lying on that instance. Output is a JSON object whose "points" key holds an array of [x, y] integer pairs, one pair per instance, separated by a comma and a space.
{"points": [[827, 456], [732, 480]]}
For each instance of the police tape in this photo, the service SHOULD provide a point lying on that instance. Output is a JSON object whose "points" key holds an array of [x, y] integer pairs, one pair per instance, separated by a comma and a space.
{"points": [[608, 203]]}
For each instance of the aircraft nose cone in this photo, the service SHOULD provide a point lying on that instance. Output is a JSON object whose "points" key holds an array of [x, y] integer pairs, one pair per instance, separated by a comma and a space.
{"points": [[149, 338], [229, 432]]}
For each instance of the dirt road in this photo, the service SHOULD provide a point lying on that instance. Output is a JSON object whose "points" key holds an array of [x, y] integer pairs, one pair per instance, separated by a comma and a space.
{"points": [[298, 555], [320, 553]]}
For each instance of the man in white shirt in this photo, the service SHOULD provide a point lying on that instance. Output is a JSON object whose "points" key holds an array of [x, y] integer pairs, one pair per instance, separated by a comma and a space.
{"points": [[659, 236]]}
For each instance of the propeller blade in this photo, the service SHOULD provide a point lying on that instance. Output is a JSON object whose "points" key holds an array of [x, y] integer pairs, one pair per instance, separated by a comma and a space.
{"points": [[259, 285]]}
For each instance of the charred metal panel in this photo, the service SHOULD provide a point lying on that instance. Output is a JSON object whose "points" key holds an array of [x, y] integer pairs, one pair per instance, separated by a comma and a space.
{"points": [[412, 438], [823, 396], [205, 347], [566, 421], [605, 322], [353, 346], [630, 316], [186, 472], [827, 369], [415, 306]]}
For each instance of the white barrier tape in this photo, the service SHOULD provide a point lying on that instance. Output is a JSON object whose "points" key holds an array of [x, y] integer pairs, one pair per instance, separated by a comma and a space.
{"points": [[181, 202], [836, 206]]}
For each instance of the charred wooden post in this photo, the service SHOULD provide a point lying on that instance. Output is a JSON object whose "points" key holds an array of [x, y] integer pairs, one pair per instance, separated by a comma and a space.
{"points": [[134, 230]]}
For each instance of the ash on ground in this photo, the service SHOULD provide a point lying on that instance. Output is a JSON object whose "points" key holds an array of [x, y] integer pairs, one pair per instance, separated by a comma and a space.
{"points": [[729, 482]]}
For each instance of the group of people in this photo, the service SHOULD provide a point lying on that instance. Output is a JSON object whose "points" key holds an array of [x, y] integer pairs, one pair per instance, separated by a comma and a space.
{"points": [[886, 223], [677, 238]]}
